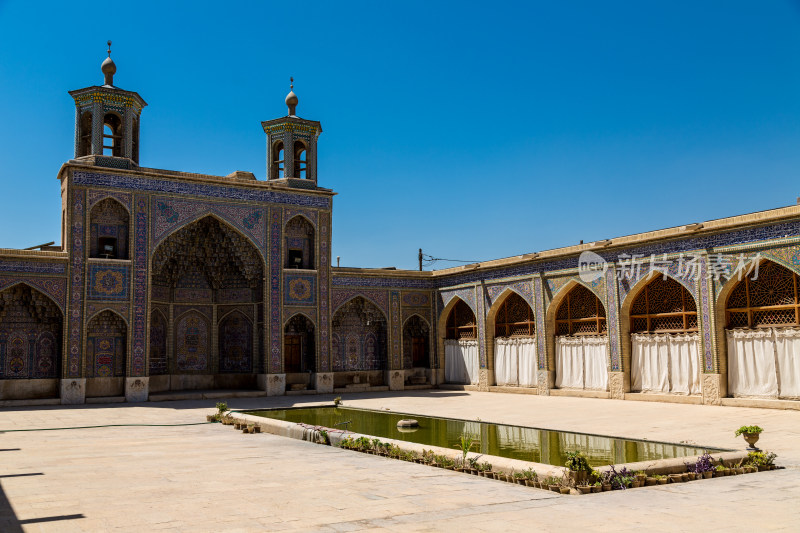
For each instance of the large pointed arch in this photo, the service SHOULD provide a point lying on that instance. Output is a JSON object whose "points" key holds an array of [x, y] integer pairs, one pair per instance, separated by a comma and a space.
{"points": [[300, 239], [359, 335], [491, 321], [744, 303], [206, 270], [416, 332], [675, 312], [31, 337]]}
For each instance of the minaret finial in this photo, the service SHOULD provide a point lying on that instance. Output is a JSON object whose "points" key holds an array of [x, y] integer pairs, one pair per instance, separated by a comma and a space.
{"points": [[291, 98], [109, 68]]}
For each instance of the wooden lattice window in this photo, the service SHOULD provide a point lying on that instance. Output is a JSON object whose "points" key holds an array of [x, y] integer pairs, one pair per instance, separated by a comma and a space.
{"points": [[769, 300], [514, 318], [461, 323], [664, 306], [581, 313]]}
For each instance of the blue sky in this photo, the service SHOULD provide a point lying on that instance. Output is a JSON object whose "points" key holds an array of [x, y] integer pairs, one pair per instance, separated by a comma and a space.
{"points": [[475, 130]]}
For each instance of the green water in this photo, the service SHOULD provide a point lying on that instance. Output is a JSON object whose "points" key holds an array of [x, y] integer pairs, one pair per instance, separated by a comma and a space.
{"points": [[515, 442]]}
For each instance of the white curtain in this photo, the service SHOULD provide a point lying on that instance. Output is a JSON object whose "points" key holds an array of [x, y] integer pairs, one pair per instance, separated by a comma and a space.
{"points": [[569, 363], [764, 362], [582, 362], [751, 363], [665, 363], [787, 348], [461, 361], [515, 361], [595, 360]]}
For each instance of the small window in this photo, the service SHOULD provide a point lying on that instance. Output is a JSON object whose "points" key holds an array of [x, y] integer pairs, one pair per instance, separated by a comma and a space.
{"points": [[108, 140], [300, 163], [295, 258], [277, 160]]}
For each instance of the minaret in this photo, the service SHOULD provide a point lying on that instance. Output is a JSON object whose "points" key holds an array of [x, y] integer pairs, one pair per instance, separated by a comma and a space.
{"points": [[107, 121], [292, 147]]}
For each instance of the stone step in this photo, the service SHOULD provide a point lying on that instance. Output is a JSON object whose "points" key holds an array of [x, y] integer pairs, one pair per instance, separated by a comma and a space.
{"points": [[106, 399], [205, 395]]}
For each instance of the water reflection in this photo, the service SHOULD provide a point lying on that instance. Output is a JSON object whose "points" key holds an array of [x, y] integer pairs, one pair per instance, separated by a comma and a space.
{"points": [[527, 444]]}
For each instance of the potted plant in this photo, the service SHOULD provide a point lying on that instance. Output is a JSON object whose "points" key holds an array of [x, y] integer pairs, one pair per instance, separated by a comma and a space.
{"points": [[597, 487], [750, 434], [565, 483], [578, 467], [704, 466], [465, 443], [650, 481], [553, 484], [337, 401]]}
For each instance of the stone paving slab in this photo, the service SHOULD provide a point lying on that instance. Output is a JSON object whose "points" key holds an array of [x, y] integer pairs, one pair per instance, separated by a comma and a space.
{"points": [[210, 477]]}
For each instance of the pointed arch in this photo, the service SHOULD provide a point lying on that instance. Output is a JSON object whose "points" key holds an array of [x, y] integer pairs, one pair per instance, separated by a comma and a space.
{"points": [[416, 332], [299, 341], [770, 301], [577, 310], [111, 310], [656, 305], [109, 229], [307, 316], [359, 295], [235, 337], [360, 331], [198, 217], [300, 243], [31, 334], [30, 284], [500, 304], [158, 361], [106, 345]]}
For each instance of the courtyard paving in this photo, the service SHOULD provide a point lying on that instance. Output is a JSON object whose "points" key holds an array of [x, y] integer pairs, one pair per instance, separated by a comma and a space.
{"points": [[209, 477]]}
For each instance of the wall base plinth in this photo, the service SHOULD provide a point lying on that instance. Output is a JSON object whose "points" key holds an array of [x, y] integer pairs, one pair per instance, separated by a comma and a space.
{"points": [[137, 389], [323, 382], [618, 384], [73, 391], [712, 389], [395, 379]]}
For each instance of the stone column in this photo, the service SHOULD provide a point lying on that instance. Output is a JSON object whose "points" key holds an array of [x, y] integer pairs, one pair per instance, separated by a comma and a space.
{"points": [[137, 389], [127, 133], [545, 381], [97, 128], [73, 391], [288, 153]]}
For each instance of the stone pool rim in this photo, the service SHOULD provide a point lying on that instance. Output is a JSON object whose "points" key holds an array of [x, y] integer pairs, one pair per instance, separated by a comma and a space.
{"points": [[301, 431], [710, 449]]}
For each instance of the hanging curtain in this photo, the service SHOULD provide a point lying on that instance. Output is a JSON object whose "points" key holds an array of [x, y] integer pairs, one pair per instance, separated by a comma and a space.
{"points": [[472, 363], [649, 363], [751, 363], [515, 361], [506, 359], [665, 363], [684, 370], [787, 352], [569, 363], [595, 357]]}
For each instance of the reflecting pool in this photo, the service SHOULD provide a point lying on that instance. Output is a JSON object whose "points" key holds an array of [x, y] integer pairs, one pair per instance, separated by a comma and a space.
{"points": [[515, 442]]}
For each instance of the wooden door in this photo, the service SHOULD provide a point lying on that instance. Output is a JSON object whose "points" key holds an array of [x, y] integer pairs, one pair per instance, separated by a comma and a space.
{"points": [[292, 353], [419, 351]]}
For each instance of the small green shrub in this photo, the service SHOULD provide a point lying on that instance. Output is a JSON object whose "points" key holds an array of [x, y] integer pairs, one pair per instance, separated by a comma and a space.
{"points": [[749, 429]]}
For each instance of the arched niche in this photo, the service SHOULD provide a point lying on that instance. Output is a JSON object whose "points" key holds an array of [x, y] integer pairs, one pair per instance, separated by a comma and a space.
{"points": [[209, 280], [109, 224], [299, 354], [511, 341], [760, 342], [299, 243], [359, 337], [660, 339], [106, 354], [31, 327]]}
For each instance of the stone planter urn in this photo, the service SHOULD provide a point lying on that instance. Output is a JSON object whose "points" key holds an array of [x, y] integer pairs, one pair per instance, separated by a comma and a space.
{"points": [[751, 439]]}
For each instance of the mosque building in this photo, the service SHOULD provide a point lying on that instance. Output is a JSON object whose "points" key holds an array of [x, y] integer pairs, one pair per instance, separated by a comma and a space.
{"points": [[171, 284]]}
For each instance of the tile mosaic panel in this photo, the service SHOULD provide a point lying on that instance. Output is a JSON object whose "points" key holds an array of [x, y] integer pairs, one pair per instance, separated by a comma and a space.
{"points": [[108, 282], [299, 289]]}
